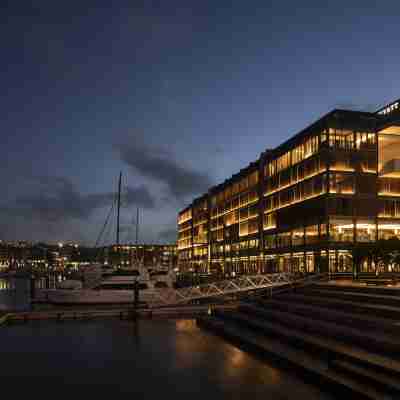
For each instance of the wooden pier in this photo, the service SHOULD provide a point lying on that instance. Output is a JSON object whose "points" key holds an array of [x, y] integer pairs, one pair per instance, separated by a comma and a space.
{"points": [[122, 313]]}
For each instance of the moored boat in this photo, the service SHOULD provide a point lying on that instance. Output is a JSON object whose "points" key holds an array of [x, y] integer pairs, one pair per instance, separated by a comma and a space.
{"points": [[115, 289]]}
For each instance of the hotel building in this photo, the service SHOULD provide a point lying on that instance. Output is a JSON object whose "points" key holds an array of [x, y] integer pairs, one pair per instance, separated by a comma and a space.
{"points": [[304, 205]]}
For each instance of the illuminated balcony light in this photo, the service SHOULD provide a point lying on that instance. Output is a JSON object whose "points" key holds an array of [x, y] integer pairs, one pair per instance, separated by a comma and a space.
{"points": [[390, 194], [266, 227], [388, 226], [341, 169]]}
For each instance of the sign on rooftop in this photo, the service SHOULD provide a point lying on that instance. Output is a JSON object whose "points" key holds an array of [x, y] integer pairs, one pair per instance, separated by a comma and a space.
{"points": [[389, 108]]}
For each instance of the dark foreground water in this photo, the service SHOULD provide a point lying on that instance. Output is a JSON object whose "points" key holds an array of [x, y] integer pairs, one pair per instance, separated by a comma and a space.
{"points": [[153, 359]]}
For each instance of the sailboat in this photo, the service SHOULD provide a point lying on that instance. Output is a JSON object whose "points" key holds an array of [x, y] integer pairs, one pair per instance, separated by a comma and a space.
{"points": [[117, 287]]}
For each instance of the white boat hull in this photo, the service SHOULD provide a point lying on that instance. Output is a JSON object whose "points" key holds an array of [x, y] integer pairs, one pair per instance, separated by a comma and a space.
{"points": [[99, 296]]}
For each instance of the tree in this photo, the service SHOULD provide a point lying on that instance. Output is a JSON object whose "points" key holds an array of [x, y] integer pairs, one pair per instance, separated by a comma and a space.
{"points": [[385, 252], [359, 254]]}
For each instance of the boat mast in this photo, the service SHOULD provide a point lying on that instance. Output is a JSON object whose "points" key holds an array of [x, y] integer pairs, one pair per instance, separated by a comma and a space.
{"points": [[119, 206], [137, 237]]}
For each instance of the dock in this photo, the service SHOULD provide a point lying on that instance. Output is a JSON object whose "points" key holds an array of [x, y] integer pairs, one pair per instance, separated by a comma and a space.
{"points": [[121, 313]]}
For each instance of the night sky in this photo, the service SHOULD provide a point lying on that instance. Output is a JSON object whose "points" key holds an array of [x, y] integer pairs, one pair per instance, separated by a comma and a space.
{"points": [[178, 95]]}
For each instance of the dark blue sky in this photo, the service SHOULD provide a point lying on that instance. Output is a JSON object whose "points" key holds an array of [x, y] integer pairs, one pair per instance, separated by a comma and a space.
{"points": [[178, 95]]}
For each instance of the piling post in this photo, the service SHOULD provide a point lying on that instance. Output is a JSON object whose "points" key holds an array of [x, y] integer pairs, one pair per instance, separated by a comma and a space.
{"points": [[32, 287], [135, 298]]}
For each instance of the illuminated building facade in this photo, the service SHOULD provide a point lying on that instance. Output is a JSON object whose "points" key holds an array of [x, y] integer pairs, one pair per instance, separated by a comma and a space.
{"points": [[304, 205]]}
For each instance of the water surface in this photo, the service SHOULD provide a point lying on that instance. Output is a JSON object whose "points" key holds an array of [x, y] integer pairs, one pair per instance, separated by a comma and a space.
{"points": [[151, 359]]}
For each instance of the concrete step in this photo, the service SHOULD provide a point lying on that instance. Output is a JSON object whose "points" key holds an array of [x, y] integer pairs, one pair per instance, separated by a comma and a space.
{"points": [[326, 348], [364, 375], [361, 297], [311, 368], [366, 308], [386, 344], [347, 318], [385, 290]]}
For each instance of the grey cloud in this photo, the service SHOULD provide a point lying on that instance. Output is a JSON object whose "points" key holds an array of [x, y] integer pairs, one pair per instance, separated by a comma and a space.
{"points": [[55, 199], [140, 197], [162, 166]]}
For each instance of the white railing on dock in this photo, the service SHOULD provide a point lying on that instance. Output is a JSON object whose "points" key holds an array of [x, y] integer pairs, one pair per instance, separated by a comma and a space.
{"points": [[235, 286], [231, 288]]}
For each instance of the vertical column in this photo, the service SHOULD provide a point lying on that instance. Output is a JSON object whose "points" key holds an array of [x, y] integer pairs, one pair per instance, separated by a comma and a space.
{"points": [[260, 191], [208, 232], [376, 184]]}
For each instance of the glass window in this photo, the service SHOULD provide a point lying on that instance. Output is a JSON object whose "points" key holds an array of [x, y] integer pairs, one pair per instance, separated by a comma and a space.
{"points": [[253, 243], [310, 262], [298, 237], [312, 234], [341, 231], [244, 244], [365, 231], [341, 139], [253, 226], [269, 221], [253, 178], [244, 213], [298, 263], [389, 155], [269, 241], [365, 141], [283, 239], [244, 199], [244, 228], [389, 208], [341, 183], [389, 230]]}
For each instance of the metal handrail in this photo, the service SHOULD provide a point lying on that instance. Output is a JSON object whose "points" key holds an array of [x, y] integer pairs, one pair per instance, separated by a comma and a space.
{"points": [[225, 287]]}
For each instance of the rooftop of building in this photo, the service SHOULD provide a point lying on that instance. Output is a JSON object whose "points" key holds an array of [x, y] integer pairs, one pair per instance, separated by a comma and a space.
{"points": [[383, 116]]}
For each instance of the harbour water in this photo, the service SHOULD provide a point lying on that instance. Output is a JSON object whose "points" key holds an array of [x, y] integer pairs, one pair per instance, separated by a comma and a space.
{"points": [[149, 359], [14, 294]]}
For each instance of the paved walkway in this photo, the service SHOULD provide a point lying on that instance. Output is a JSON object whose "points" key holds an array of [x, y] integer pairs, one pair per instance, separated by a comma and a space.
{"points": [[349, 282]]}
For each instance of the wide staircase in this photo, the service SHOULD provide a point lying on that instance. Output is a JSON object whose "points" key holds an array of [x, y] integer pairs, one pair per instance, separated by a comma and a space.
{"points": [[345, 339]]}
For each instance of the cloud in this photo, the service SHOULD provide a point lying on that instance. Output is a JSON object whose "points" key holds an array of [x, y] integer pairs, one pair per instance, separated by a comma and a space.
{"points": [[54, 199], [162, 166], [139, 196]]}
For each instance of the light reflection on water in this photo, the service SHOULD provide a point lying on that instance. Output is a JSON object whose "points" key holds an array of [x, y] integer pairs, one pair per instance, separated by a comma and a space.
{"points": [[154, 358]]}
